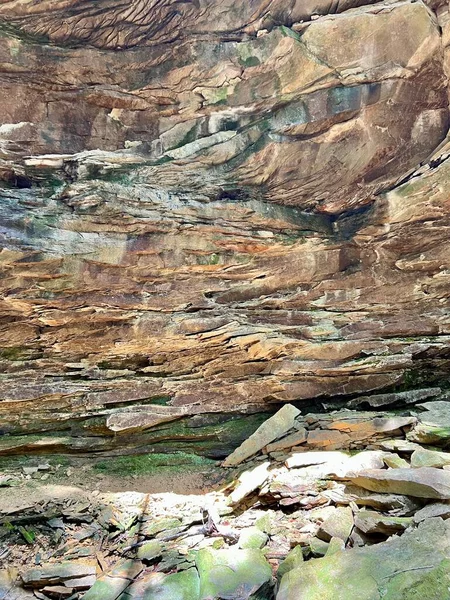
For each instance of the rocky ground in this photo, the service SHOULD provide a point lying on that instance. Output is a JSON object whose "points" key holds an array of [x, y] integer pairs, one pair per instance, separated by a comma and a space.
{"points": [[343, 505]]}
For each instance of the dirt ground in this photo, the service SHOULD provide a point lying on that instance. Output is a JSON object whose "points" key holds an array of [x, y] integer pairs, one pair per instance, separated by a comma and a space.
{"points": [[80, 478]]}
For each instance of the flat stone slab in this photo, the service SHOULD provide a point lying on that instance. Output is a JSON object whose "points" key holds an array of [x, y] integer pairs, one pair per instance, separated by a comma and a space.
{"points": [[52, 574], [437, 509], [385, 502], [249, 481], [305, 459], [425, 482], [270, 430], [370, 522], [338, 463], [429, 458], [366, 429], [409, 397], [294, 439]]}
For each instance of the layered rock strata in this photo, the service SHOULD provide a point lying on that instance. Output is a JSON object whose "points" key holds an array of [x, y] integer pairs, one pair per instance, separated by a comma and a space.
{"points": [[211, 209]]}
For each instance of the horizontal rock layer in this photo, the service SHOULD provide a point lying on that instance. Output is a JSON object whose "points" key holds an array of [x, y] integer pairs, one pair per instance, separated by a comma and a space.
{"points": [[220, 224]]}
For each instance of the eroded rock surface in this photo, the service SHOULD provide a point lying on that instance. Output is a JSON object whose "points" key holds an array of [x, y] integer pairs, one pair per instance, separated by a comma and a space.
{"points": [[213, 208]]}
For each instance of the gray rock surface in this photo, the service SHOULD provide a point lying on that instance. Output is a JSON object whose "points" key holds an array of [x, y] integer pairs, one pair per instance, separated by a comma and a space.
{"points": [[424, 482], [414, 565]]}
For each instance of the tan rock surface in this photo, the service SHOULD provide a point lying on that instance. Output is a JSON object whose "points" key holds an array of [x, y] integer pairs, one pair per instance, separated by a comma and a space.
{"points": [[196, 218]]}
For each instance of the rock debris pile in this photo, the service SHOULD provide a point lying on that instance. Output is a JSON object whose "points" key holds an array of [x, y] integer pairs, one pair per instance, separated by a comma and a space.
{"points": [[299, 518]]}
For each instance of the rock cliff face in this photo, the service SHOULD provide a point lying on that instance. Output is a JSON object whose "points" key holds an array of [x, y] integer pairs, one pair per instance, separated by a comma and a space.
{"points": [[210, 208]]}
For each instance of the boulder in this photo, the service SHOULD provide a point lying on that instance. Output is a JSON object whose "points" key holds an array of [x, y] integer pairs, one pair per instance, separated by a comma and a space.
{"points": [[318, 547], [292, 560], [434, 424], [424, 482], [415, 565], [231, 574], [252, 537], [335, 545], [150, 550], [436, 509], [184, 585], [338, 525]]}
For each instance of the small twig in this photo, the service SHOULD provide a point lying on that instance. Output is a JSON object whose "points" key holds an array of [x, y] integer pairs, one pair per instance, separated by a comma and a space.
{"points": [[407, 570]]}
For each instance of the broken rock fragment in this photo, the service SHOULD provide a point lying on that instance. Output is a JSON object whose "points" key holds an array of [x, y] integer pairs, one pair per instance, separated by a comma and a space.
{"points": [[53, 574], [305, 459], [338, 525], [399, 504], [434, 424], [429, 458], [425, 482], [270, 430], [294, 439], [370, 522], [437, 509], [249, 481]]}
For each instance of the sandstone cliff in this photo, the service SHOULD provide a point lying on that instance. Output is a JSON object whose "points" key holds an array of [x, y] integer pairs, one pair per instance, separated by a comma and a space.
{"points": [[211, 208]]}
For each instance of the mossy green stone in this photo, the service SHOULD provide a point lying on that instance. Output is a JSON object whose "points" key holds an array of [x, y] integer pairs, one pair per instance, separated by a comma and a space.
{"points": [[292, 560], [150, 550], [318, 547], [265, 523], [252, 537], [231, 574], [434, 585], [429, 458], [107, 588], [413, 566], [184, 585], [151, 528]]}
